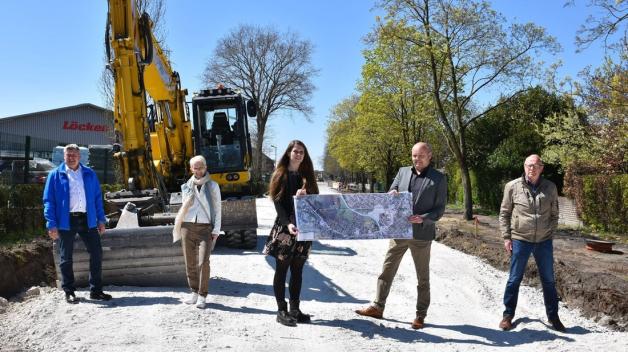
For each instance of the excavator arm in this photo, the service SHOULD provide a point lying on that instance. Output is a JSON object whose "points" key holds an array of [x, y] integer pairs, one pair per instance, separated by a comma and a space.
{"points": [[156, 142]]}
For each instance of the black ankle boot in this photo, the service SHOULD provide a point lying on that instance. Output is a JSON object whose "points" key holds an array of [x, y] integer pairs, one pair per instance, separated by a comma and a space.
{"points": [[285, 319], [297, 314]]}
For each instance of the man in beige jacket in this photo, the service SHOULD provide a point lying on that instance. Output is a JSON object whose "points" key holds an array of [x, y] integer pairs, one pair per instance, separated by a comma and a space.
{"points": [[528, 218]]}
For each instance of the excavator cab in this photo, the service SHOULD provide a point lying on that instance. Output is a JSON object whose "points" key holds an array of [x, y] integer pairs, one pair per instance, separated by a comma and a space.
{"points": [[221, 135], [221, 147]]}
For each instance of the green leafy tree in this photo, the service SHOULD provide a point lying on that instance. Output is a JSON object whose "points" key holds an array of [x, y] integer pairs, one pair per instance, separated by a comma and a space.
{"points": [[598, 143], [568, 138], [341, 134], [331, 167], [605, 96], [466, 51], [391, 116], [608, 22], [499, 142]]}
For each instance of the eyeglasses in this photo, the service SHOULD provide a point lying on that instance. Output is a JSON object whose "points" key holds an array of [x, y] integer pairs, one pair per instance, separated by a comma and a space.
{"points": [[298, 151], [533, 166]]}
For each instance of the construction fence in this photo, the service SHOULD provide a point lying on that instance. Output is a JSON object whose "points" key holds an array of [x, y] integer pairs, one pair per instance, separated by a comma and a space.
{"points": [[28, 160]]}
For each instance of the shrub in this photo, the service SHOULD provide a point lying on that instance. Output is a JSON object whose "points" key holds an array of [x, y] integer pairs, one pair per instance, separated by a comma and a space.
{"points": [[604, 202], [21, 211], [21, 216]]}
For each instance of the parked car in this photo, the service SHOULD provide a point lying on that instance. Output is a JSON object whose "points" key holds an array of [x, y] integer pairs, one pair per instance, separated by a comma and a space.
{"points": [[38, 170]]}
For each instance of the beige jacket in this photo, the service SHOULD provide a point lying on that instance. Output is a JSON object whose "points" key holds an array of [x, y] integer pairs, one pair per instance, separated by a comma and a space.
{"points": [[210, 202], [526, 217]]}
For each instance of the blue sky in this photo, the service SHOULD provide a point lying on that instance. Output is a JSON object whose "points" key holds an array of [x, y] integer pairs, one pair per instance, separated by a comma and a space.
{"points": [[51, 52]]}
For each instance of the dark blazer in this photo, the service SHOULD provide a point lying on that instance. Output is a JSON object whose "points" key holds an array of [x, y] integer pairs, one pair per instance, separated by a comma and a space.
{"points": [[430, 202]]}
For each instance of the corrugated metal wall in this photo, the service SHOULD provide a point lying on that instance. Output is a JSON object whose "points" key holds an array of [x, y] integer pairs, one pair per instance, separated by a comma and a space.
{"points": [[83, 124], [567, 214]]}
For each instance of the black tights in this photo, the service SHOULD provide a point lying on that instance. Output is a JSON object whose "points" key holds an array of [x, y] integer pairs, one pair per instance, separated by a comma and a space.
{"points": [[296, 279]]}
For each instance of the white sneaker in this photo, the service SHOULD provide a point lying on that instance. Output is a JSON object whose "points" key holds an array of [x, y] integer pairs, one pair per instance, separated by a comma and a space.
{"points": [[191, 298], [200, 303]]}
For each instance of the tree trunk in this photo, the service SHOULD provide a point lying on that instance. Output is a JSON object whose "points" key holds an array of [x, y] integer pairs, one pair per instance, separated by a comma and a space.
{"points": [[259, 157], [456, 144], [467, 191]]}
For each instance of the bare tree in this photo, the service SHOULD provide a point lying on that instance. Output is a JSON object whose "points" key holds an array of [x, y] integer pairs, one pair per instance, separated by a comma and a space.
{"points": [[156, 11], [271, 68]]}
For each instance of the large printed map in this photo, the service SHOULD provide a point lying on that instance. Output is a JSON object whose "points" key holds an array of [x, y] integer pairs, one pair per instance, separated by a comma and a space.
{"points": [[353, 216]]}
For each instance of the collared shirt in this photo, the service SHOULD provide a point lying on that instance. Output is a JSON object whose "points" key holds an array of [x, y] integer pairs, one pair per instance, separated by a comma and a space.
{"points": [[196, 213], [416, 182], [78, 201], [533, 186]]}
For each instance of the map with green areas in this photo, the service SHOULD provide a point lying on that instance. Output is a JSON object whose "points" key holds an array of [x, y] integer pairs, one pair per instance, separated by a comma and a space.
{"points": [[353, 216]]}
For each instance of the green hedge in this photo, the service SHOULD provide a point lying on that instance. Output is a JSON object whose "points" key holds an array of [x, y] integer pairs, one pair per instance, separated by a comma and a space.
{"points": [[21, 211], [604, 200], [21, 196]]}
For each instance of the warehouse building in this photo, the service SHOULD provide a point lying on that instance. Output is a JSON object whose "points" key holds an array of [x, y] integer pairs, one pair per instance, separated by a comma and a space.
{"points": [[83, 124]]}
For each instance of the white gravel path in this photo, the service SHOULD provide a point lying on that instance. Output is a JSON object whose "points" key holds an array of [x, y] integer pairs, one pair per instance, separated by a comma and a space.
{"points": [[339, 277]]}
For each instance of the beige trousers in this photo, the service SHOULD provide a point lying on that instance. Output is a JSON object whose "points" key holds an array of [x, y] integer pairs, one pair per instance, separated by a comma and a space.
{"points": [[196, 241], [420, 251]]}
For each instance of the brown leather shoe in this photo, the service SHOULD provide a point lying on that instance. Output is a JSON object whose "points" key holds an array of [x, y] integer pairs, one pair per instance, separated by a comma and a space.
{"points": [[506, 323], [371, 311], [418, 323]]}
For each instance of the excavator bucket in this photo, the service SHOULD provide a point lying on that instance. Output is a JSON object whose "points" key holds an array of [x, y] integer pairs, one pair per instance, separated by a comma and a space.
{"points": [[146, 256], [239, 222], [142, 256]]}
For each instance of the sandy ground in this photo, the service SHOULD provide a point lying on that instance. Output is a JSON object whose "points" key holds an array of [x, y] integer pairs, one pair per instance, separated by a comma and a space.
{"points": [[339, 277]]}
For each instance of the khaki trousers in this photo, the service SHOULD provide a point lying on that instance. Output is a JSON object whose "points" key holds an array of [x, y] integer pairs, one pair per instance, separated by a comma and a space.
{"points": [[420, 251], [196, 241]]}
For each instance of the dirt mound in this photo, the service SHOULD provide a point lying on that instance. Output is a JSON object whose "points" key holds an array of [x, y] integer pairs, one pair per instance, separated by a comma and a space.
{"points": [[596, 287], [26, 265]]}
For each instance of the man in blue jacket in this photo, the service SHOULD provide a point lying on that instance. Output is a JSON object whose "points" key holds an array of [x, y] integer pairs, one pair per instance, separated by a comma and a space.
{"points": [[73, 204]]}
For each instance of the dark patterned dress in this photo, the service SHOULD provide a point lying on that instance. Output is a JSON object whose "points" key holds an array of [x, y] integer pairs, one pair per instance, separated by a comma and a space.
{"points": [[280, 243]]}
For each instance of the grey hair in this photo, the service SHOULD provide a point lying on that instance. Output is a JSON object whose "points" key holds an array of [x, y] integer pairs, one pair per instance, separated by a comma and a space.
{"points": [[71, 147], [196, 159], [540, 162]]}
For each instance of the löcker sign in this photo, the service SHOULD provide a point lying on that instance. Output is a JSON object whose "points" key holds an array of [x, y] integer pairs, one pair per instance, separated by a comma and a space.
{"points": [[73, 125]]}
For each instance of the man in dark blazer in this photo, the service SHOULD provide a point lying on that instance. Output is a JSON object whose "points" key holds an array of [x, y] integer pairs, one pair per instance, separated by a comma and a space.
{"points": [[429, 193]]}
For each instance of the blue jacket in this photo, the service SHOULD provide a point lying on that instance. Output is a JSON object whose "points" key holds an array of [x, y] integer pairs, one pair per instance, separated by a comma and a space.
{"points": [[57, 199]]}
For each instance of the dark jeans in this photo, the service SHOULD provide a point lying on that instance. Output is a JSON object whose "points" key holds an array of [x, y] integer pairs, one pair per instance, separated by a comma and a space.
{"points": [[543, 253], [295, 264], [91, 238]]}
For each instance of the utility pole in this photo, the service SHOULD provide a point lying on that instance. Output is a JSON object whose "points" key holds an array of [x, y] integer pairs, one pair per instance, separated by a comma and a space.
{"points": [[275, 159]]}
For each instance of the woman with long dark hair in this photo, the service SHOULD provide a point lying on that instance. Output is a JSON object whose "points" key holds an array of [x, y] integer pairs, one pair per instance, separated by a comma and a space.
{"points": [[294, 175]]}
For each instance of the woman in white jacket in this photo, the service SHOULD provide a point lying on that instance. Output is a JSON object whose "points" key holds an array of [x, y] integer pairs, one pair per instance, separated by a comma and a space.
{"points": [[198, 225]]}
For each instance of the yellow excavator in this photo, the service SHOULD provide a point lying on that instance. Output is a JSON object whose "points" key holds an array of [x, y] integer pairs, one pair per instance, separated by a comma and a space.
{"points": [[155, 138]]}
